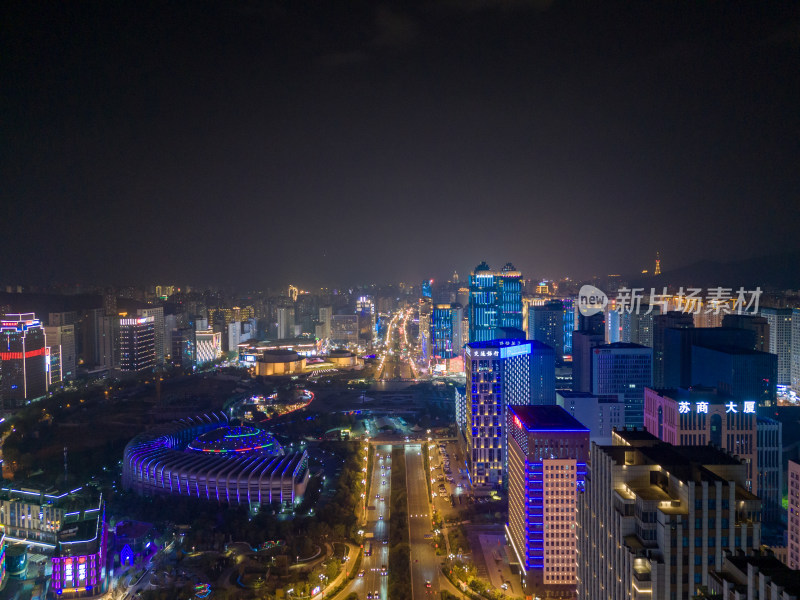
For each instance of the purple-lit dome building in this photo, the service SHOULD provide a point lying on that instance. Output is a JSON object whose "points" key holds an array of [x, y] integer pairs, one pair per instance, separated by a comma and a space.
{"points": [[205, 457]]}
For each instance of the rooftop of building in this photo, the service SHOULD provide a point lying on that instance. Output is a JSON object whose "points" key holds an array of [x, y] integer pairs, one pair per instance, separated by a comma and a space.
{"points": [[498, 343], [686, 463], [728, 349], [546, 418], [277, 356], [767, 564], [30, 492], [601, 398], [694, 393], [81, 531], [622, 346]]}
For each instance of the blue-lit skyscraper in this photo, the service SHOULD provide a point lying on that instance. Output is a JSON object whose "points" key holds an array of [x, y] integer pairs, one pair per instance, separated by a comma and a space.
{"points": [[547, 452], [446, 338], [501, 372], [569, 324], [495, 301]]}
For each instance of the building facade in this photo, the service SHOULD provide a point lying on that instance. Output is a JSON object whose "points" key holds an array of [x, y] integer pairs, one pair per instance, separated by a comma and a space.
{"points": [[23, 359], [79, 561], [780, 340], [626, 370], [499, 373], [744, 374], [546, 325], [61, 342], [601, 414], [655, 519], [137, 344], [547, 452], [793, 515], [495, 301], [700, 416]]}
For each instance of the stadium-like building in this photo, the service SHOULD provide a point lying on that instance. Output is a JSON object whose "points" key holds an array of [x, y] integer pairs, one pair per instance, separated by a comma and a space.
{"points": [[207, 458]]}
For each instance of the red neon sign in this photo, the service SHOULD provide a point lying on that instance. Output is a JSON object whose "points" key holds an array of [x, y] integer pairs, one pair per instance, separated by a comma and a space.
{"points": [[21, 355]]}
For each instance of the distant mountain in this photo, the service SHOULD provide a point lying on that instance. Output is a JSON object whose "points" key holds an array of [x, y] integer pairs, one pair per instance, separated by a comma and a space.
{"points": [[772, 273]]}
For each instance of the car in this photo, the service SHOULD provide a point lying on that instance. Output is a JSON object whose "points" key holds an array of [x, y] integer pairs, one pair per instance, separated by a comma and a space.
{"points": [[384, 570], [369, 595], [427, 584], [377, 495], [361, 573], [381, 517], [383, 482], [504, 586], [376, 595]]}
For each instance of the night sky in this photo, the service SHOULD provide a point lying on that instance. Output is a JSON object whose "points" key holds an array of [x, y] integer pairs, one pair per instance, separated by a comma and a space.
{"points": [[315, 142]]}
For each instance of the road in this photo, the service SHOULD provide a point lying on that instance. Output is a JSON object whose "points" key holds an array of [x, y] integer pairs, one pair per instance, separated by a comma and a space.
{"points": [[372, 580], [396, 357], [424, 562]]}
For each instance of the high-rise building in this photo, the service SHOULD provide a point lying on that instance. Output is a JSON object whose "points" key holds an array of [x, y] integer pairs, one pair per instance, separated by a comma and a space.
{"points": [[769, 478], [499, 373], [425, 310], [595, 323], [208, 346], [546, 325], [601, 414], [61, 342], [157, 312], [461, 413], [445, 331], [79, 560], [583, 343], [680, 342], [793, 515], [285, 322], [795, 368], [344, 330], [758, 575], [744, 374], [23, 359], [569, 323], [495, 301], [325, 318], [756, 324], [365, 310], [547, 452], [698, 416], [625, 370], [672, 319], [637, 326], [137, 349], [655, 518], [780, 340]]}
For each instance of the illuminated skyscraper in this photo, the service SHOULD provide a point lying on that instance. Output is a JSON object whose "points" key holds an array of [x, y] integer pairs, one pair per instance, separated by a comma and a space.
{"points": [[23, 359], [793, 513], [137, 344], [285, 322], [495, 301], [61, 342], [546, 325], [655, 518], [157, 312], [547, 452], [445, 330], [499, 373], [780, 340]]}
